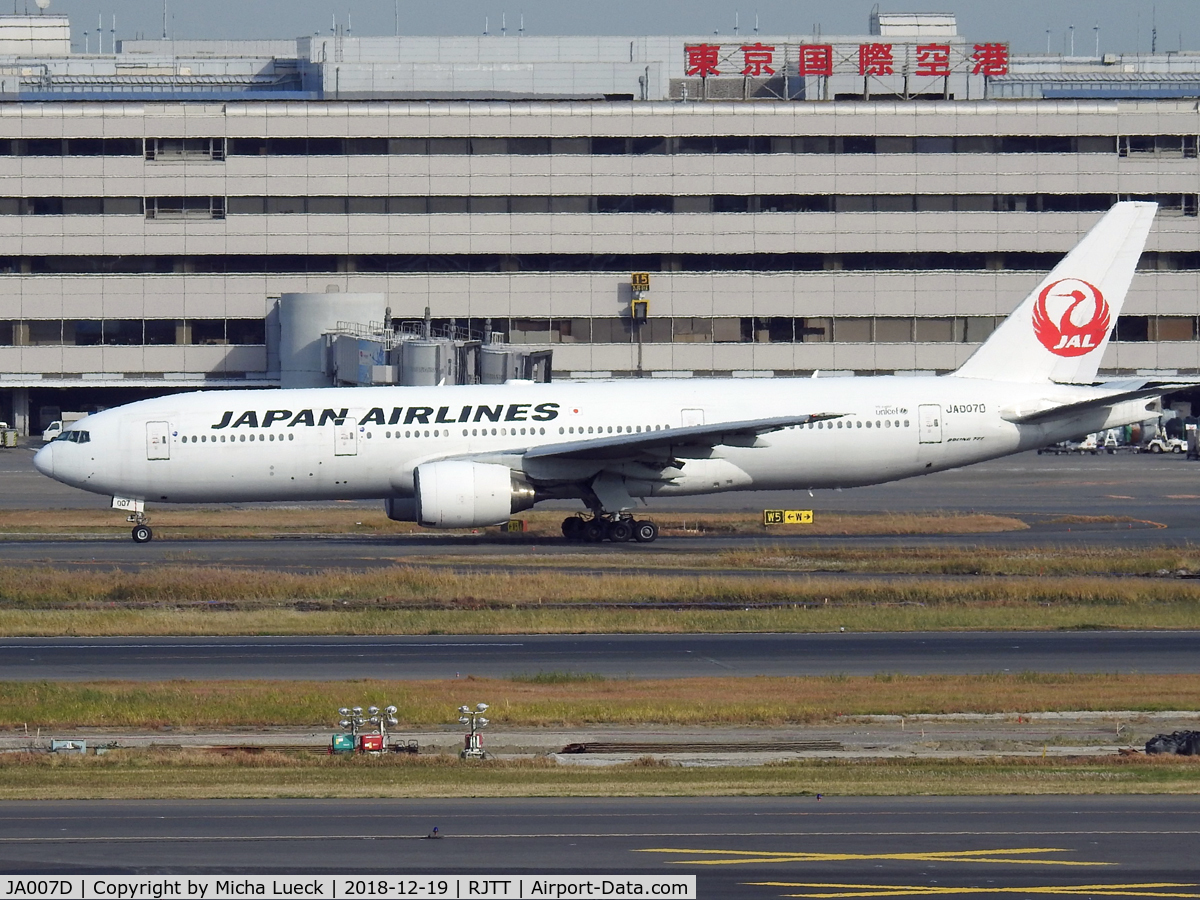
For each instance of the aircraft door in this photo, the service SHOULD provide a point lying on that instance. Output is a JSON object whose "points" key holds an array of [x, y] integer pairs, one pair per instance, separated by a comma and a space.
{"points": [[345, 438], [158, 440], [690, 417], [929, 423]]}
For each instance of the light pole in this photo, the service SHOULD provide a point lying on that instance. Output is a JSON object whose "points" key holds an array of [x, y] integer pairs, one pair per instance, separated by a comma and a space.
{"points": [[352, 718], [473, 748], [351, 721], [356, 719], [381, 719]]}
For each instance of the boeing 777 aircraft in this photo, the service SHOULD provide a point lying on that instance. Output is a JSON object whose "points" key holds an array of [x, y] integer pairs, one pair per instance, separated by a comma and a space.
{"points": [[462, 456]]}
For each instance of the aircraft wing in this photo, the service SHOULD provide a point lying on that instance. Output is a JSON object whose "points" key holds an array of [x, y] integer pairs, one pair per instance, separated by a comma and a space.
{"points": [[660, 443]]}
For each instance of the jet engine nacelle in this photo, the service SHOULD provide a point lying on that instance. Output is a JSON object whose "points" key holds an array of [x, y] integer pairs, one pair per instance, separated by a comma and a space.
{"points": [[459, 494]]}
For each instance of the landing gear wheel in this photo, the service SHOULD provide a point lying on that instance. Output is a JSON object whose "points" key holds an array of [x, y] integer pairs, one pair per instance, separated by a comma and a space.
{"points": [[572, 528], [142, 534], [593, 531], [645, 532], [619, 531]]}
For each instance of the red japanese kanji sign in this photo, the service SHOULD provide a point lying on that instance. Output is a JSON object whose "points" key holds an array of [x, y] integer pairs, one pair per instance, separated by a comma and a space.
{"points": [[758, 59], [702, 59], [875, 59], [933, 59], [990, 59], [816, 59]]}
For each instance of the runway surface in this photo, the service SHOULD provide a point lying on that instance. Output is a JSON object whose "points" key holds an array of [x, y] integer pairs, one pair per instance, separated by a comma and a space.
{"points": [[614, 656], [739, 848]]}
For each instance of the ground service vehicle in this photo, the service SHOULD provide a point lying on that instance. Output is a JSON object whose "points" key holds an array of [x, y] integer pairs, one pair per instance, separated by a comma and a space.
{"points": [[473, 455], [1056, 449], [1166, 445], [55, 428]]}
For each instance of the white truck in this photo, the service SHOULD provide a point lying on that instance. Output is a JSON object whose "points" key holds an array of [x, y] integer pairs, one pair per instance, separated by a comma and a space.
{"points": [[55, 428]]}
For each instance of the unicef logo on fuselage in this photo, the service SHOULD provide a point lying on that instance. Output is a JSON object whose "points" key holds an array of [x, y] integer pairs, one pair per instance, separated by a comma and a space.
{"points": [[1071, 317]]}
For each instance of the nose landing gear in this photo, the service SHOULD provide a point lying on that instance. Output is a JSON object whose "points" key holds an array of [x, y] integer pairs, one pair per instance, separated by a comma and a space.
{"points": [[142, 534], [137, 515], [617, 529]]}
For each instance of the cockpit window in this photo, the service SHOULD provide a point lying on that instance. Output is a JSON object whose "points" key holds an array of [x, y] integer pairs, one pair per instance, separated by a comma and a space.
{"points": [[75, 437]]}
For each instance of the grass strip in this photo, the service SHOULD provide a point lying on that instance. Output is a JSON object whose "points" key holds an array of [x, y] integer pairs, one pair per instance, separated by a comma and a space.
{"points": [[563, 700], [232, 521], [147, 775], [406, 586], [290, 621], [205, 600], [1028, 561]]}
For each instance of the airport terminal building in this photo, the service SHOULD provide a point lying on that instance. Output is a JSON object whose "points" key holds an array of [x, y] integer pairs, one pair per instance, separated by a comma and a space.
{"points": [[797, 203]]}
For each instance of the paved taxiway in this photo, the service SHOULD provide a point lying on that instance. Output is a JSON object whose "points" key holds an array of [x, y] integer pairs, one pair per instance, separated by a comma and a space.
{"points": [[751, 848], [614, 656], [1155, 499]]}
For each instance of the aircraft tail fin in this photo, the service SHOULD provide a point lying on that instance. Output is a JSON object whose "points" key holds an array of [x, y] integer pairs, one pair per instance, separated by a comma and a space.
{"points": [[1060, 331]]}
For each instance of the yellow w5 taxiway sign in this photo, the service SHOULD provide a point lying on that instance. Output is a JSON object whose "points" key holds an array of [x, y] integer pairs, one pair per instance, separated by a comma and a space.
{"points": [[787, 516]]}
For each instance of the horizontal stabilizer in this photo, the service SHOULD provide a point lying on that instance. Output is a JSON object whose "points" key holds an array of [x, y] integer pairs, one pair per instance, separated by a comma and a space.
{"points": [[1048, 410]]}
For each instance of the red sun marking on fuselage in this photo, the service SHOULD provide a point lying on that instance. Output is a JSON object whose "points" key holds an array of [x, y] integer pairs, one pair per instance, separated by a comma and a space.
{"points": [[1059, 331]]}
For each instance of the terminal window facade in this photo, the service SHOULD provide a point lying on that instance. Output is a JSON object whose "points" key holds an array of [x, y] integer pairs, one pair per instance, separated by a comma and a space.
{"points": [[184, 207], [131, 332], [664, 145], [217, 149], [786, 329], [588, 330], [174, 208], [468, 263]]}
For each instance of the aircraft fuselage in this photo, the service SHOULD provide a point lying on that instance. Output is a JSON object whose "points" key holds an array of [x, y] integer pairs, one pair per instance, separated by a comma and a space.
{"points": [[364, 443]]}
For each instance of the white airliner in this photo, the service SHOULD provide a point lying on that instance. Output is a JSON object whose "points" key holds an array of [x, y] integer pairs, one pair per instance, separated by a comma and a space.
{"points": [[462, 456]]}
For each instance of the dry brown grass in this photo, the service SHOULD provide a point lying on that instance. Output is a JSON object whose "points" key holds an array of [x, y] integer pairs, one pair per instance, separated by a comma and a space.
{"points": [[146, 775], [188, 599], [1033, 561], [226, 521], [417, 587], [560, 702], [218, 619]]}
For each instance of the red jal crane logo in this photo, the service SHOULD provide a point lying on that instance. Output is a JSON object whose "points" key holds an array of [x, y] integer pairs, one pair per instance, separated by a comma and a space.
{"points": [[1071, 317]]}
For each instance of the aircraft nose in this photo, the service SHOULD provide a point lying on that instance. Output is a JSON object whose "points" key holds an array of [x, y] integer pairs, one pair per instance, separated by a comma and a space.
{"points": [[43, 460]]}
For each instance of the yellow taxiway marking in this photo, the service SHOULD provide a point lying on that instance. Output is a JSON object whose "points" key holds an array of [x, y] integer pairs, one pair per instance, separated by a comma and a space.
{"points": [[829, 891], [747, 857]]}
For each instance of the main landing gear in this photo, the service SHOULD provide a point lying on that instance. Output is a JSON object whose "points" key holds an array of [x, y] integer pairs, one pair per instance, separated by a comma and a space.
{"points": [[618, 529]]}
